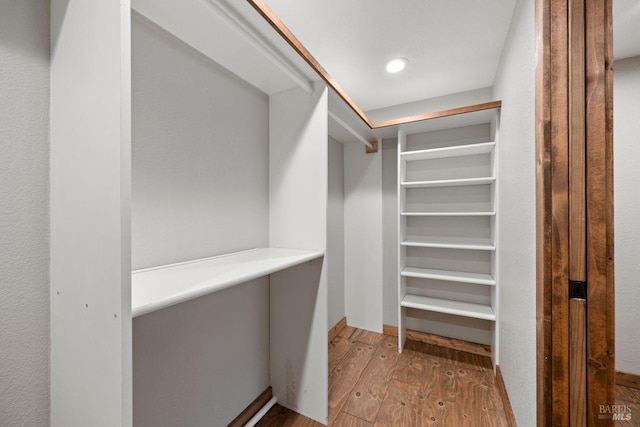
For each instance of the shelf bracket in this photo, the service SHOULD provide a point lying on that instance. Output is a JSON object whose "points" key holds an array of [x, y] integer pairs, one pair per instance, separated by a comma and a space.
{"points": [[374, 146]]}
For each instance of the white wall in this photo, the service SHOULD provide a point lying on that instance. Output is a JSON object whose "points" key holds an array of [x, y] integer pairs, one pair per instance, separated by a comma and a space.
{"points": [[200, 150], [439, 103], [186, 358], [335, 233], [626, 96], [24, 213], [515, 86], [200, 188], [363, 237]]}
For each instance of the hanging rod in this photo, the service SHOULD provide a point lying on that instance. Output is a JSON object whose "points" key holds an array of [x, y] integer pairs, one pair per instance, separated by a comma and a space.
{"points": [[349, 129], [252, 36]]}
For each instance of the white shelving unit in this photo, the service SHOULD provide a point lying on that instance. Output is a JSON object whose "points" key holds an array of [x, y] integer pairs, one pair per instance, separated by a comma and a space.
{"points": [[160, 287], [447, 236], [448, 182], [98, 305]]}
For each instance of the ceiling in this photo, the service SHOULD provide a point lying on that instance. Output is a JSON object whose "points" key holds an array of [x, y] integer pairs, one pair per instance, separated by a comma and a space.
{"points": [[452, 46]]}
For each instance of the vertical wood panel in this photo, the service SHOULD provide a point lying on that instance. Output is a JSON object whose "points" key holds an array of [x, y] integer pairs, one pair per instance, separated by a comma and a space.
{"points": [[578, 362], [543, 214], [559, 211], [599, 164], [574, 128], [577, 215]]}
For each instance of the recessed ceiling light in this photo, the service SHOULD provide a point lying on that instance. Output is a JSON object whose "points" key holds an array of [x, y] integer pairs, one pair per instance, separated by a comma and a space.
{"points": [[396, 65]]}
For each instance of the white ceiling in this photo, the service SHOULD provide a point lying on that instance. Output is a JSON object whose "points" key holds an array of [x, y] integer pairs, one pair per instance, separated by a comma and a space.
{"points": [[452, 46], [626, 28]]}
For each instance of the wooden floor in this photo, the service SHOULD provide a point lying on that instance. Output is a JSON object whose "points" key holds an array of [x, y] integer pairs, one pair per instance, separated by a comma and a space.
{"points": [[371, 384], [630, 397]]}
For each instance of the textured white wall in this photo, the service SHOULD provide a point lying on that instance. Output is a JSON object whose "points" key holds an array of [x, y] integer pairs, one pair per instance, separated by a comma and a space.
{"points": [[24, 213], [515, 86], [200, 188], [335, 233], [200, 150], [626, 151], [363, 237]]}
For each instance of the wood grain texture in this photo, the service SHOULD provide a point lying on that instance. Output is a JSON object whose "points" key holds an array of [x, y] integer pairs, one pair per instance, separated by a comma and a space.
{"points": [[504, 396], [578, 363], [626, 379], [438, 114], [279, 416], [333, 332], [559, 93], [347, 332], [445, 388], [630, 397], [367, 395], [338, 347], [440, 341], [367, 337], [577, 182], [347, 420], [402, 406], [599, 186], [252, 409], [346, 374], [544, 403]]}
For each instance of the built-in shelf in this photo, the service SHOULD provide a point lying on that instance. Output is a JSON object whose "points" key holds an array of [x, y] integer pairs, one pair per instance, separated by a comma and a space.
{"points": [[457, 151], [449, 243], [448, 182], [449, 276], [447, 213], [457, 308], [160, 287]]}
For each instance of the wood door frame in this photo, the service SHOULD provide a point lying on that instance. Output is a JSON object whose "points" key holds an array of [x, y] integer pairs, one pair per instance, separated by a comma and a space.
{"points": [[554, 120]]}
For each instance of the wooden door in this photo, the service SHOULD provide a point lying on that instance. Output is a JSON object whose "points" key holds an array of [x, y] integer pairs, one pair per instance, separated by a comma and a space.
{"points": [[574, 212]]}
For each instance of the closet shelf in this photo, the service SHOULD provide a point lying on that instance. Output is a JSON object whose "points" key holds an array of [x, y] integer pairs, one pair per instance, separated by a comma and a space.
{"points": [[448, 182], [457, 308], [456, 151], [160, 287], [447, 213], [449, 276], [449, 243]]}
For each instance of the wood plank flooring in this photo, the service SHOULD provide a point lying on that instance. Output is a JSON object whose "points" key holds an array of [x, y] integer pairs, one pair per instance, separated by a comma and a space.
{"points": [[372, 385], [630, 397]]}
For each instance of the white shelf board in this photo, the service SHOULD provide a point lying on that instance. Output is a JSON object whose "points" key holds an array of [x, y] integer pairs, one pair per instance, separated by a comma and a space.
{"points": [[456, 151], [448, 182], [449, 276], [447, 213], [160, 287], [449, 243], [457, 308]]}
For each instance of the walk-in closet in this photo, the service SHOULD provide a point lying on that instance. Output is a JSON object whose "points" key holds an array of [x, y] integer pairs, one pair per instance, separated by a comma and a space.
{"points": [[318, 213]]}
